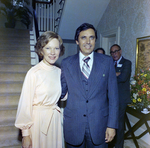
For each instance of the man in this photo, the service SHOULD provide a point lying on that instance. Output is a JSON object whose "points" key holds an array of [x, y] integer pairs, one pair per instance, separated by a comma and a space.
{"points": [[100, 50], [90, 118], [123, 73]]}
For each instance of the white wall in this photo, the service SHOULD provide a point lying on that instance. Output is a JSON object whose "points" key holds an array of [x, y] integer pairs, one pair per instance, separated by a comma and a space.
{"points": [[133, 17], [70, 49]]}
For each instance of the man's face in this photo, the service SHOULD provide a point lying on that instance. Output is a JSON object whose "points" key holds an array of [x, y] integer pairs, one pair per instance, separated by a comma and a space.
{"points": [[115, 53], [86, 41]]}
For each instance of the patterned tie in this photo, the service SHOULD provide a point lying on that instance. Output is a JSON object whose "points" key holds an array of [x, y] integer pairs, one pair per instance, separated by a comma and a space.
{"points": [[86, 67]]}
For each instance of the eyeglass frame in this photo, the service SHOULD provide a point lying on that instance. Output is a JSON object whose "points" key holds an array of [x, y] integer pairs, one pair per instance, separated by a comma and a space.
{"points": [[112, 52]]}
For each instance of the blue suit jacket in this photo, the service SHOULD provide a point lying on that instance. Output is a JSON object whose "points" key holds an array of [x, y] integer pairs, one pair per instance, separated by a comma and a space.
{"points": [[101, 101], [123, 81]]}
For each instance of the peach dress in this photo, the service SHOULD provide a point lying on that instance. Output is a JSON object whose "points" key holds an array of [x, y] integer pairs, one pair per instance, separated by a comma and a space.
{"points": [[38, 114]]}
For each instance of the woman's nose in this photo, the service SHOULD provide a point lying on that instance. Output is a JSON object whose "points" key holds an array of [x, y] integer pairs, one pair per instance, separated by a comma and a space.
{"points": [[52, 51]]}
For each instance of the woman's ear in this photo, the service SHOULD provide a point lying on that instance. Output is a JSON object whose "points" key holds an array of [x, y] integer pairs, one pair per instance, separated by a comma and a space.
{"points": [[41, 54]]}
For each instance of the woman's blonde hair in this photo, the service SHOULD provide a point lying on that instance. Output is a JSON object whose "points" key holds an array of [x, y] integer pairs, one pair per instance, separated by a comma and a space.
{"points": [[44, 39]]}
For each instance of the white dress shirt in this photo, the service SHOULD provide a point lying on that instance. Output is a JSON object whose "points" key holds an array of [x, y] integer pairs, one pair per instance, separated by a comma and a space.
{"points": [[118, 61], [90, 62]]}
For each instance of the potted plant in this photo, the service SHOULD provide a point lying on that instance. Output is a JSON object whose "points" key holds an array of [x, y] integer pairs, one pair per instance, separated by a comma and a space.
{"points": [[15, 13]]}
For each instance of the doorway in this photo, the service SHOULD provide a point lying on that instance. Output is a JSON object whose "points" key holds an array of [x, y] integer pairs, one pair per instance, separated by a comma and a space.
{"points": [[108, 38]]}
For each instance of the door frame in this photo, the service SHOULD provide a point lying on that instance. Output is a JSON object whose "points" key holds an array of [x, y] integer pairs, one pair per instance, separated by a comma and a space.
{"points": [[105, 36]]}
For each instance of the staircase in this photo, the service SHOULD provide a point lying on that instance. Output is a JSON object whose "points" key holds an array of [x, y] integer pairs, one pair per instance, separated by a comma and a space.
{"points": [[14, 63]]}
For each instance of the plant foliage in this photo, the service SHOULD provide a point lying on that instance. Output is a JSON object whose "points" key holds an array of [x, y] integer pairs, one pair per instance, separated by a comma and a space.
{"points": [[16, 13]]}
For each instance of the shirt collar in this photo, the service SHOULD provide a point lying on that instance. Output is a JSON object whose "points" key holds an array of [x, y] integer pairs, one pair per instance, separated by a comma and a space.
{"points": [[90, 62], [119, 60], [83, 56]]}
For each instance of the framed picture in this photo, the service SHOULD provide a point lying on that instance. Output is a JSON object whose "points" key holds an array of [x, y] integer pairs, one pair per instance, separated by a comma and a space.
{"points": [[142, 53]]}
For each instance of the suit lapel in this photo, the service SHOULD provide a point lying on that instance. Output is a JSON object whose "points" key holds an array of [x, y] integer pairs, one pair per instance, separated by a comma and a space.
{"points": [[75, 73], [118, 68], [97, 74], [121, 61]]}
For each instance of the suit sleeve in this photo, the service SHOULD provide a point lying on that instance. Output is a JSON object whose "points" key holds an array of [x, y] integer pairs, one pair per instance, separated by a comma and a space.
{"points": [[113, 97], [63, 81], [125, 73]]}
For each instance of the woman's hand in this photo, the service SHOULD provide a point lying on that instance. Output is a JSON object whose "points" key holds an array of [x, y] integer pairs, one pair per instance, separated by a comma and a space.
{"points": [[26, 142]]}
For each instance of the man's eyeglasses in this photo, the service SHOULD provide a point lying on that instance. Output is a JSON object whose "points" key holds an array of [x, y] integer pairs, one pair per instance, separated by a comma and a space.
{"points": [[112, 52]]}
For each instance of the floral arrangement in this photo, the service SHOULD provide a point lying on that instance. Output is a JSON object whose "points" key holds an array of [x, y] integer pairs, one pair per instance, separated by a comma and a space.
{"points": [[140, 89]]}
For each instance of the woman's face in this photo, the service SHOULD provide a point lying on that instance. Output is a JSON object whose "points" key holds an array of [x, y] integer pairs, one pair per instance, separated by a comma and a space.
{"points": [[51, 52]]}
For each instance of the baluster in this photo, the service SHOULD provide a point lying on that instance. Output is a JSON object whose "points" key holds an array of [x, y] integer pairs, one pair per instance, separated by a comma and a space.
{"points": [[44, 17]]}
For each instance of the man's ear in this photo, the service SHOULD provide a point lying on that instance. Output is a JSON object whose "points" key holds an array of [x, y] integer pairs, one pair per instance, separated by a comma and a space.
{"points": [[77, 42]]}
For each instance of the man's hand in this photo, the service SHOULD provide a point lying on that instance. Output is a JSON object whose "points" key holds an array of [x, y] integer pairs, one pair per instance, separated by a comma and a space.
{"points": [[118, 73], [110, 133], [26, 142]]}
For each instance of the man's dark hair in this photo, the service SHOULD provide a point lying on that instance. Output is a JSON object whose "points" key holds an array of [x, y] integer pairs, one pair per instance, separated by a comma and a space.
{"points": [[83, 27], [116, 45], [100, 49]]}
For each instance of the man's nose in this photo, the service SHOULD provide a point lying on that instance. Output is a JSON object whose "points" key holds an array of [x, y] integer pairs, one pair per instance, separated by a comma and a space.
{"points": [[88, 40]]}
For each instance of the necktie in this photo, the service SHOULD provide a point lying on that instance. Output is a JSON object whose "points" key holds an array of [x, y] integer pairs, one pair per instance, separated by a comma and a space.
{"points": [[85, 67], [115, 64]]}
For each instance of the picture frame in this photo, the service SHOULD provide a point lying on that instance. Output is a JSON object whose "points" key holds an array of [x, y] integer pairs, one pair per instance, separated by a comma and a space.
{"points": [[142, 53]]}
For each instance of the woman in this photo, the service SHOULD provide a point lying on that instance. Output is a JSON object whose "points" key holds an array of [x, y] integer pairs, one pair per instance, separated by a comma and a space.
{"points": [[38, 115]]}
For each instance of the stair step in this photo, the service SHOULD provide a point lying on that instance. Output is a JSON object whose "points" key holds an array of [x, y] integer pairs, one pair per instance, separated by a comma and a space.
{"points": [[11, 77], [14, 38], [14, 52], [13, 33], [8, 116], [9, 134], [14, 87], [13, 146], [15, 46], [9, 100], [14, 67], [10, 139], [15, 60], [14, 42], [12, 130]]}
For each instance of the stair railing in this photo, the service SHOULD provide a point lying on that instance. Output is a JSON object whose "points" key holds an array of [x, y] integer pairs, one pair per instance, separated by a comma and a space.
{"points": [[47, 15], [59, 7]]}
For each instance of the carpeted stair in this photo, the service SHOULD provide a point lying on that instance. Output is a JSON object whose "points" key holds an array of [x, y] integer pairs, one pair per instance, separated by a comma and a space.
{"points": [[14, 63]]}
